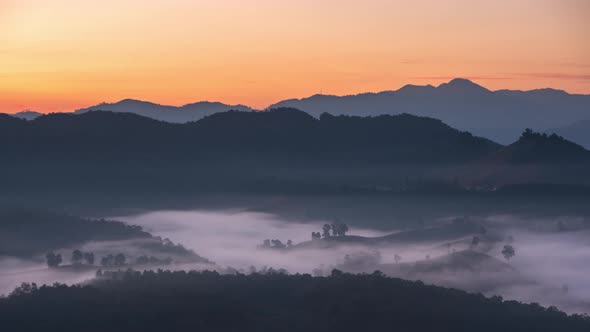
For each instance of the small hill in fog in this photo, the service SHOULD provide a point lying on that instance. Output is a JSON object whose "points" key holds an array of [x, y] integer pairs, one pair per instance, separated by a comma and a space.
{"points": [[30, 233]]}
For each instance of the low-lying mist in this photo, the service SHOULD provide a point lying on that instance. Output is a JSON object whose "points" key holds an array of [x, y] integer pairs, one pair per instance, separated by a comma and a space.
{"points": [[231, 238], [550, 266]]}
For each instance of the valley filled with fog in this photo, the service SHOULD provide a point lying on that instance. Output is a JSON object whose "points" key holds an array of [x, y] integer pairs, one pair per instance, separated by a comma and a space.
{"points": [[550, 264]]}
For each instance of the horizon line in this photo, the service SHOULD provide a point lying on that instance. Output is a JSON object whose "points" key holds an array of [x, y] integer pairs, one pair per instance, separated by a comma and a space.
{"points": [[450, 79]]}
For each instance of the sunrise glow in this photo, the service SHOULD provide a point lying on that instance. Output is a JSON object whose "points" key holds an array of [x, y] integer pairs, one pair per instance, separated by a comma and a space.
{"points": [[61, 55]]}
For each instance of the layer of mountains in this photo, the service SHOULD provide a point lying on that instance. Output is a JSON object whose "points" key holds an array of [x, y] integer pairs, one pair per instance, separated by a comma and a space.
{"points": [[498, 115], [280, 149]]}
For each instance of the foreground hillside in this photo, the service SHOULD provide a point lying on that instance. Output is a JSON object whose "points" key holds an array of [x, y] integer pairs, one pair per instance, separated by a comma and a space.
{"points": [[151, 301]]}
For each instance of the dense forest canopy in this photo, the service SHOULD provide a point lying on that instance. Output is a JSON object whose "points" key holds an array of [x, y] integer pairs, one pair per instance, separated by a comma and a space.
{"points": [[163, 300]]}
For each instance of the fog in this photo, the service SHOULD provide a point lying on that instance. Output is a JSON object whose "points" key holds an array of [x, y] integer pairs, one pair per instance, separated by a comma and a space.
{"points": [[16, 271], [230, 238], [550, 267]]}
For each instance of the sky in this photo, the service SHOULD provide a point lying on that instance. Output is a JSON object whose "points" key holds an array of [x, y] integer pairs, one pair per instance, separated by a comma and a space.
{"points": [[61, 55]]}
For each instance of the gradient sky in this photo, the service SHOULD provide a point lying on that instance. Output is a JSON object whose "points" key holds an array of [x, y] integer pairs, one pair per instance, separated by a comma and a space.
{"points": [[60, 55]]}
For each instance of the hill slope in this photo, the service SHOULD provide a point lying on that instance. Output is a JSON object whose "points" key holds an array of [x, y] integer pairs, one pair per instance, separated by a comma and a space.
{"points": [[578, 132], [534, 159], [29, 234]]}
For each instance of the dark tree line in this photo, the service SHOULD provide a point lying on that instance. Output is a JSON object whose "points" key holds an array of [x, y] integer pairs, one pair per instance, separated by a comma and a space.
{"points": [[337, 229], [78, 257], [111, 260], [269, 301]]}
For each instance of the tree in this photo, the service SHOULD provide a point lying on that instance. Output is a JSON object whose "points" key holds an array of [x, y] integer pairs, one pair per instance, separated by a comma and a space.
{"points": [[277, 244], [528, 132], [89, 258], [77, 257], [53, 260], [397, 258], [316, 235], [107, 261], [289, 243], [340, 229], [120, 259], [508, 252], [475, 242], [326, 230]]}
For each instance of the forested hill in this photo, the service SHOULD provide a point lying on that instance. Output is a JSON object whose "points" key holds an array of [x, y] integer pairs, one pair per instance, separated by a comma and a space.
{"points": [[542, 148], [276, 150], [275, 134], [208, 301]]}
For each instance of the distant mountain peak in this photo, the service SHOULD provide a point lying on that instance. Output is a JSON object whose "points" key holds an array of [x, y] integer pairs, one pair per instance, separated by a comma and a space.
{"points": [[174, 114], [462, 85], [412, 89], [27, 115]]}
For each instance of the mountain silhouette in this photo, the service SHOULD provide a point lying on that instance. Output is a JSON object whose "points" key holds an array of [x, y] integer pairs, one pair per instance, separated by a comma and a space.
{"points": [[277, 133], [27, 115], [186, 113], [498, 115], [273, 150]]}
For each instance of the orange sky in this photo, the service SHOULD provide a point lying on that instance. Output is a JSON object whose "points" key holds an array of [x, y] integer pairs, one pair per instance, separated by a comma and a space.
{"points": [[60, 55]]}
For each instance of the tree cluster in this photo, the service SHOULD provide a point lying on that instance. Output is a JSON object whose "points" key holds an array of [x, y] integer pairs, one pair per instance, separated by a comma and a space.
{"points": [[508, 251], [337, 229], [111, 260], [79, 257], [275, 244], [53, 260]]}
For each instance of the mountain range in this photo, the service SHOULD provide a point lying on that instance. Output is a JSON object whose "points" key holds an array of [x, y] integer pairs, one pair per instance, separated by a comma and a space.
{"points": [[497, 115], [279, 149], [182, 114]]}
